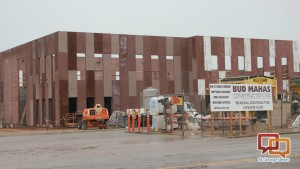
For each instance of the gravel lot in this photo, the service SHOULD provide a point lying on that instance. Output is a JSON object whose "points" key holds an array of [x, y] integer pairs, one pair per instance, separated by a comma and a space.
{"points": [[114, 148]]}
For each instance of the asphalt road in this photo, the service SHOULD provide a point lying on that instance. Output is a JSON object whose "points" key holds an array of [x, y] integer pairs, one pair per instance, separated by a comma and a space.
{"points": [[114, 148]]}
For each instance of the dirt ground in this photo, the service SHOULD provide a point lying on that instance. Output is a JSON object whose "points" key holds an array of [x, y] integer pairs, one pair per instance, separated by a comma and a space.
{"points": [[34, 131], [257, 128], [115, 148]]}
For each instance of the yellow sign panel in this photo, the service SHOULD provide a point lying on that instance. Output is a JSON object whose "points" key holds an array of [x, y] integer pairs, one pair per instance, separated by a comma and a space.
{"points": [[176, 100]]}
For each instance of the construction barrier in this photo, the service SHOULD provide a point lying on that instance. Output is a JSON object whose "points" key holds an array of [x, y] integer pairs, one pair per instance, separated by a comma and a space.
{"points": [[131, 123]]}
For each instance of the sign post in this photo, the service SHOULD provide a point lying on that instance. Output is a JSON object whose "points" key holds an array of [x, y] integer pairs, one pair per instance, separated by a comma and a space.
{"points": [[240, 122], [269, 122], [212, 123], [230, 124]]}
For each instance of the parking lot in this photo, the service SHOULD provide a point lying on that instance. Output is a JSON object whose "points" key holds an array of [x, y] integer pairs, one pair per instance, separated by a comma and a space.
{"points": [[114, 148]]}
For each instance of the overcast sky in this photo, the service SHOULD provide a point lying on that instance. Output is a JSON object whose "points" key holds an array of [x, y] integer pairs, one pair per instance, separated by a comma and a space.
{"points": [[25, 20]]}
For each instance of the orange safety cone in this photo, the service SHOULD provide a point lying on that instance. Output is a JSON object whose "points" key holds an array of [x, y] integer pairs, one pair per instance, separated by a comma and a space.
{"points": [[128, 122], [139, 123], [132, 123], [171, 120]]}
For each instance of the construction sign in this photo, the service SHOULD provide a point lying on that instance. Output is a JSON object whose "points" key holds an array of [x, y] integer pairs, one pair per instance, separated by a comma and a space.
{"points": [[241, 97]]}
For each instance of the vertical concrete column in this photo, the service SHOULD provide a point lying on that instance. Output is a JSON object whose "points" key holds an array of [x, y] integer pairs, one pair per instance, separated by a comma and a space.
{"points": [[28, 84], [169, 46], [107, 76], [207, 53], [99, 83], [90, 61], [116, 86], [247, 49], [192, 69], [132, 83], [90, 65], [42, 76], [227, 43], [72, 85], [61, 73], [14, 104], [139, 45], [296, 56], [177, 74], [162, 52], [191, 82], [170, 64], [115, 47], [272, 49]]}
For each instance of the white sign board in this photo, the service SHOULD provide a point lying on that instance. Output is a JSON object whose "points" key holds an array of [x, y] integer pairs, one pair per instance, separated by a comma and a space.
{"points": [[240, 97], [201, 87]]}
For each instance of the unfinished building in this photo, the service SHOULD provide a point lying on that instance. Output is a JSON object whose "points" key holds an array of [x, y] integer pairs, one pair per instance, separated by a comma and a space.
{"points": [[65, 72]]}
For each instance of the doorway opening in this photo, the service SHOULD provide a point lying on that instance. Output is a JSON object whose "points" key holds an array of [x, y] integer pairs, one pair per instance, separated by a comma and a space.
{"points": [[22, 103], [44, 111], [72, 104], [90, 102], [37, 112], [50, 110], [107, 104]]}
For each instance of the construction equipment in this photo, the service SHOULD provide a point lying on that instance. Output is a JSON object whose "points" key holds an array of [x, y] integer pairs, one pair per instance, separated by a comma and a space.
{"points": [[72, 119], [295, 84], [90, 117], [168, 111], [117, 119], [295, 93]]}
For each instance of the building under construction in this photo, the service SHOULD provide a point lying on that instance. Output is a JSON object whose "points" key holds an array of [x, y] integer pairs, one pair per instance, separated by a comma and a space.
{"points": [[68, 71]]}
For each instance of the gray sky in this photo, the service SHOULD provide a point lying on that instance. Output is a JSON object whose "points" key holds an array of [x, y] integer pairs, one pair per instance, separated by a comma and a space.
{"points": [[25, 20]]}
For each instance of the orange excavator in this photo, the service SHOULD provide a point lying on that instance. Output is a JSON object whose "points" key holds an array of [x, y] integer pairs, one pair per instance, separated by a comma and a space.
{"points": [[90, 117]]}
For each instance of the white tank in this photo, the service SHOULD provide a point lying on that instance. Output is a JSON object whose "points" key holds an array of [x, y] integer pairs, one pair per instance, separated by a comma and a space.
{"points": [[156, 107], [147, 95]]}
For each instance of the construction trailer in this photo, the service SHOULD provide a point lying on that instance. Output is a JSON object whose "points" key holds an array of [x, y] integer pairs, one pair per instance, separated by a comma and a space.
{"points": [[165, 111]]}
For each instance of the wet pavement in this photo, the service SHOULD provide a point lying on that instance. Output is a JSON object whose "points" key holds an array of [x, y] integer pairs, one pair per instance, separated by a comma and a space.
{"points": [[114, 148]]}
